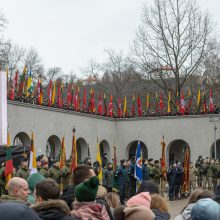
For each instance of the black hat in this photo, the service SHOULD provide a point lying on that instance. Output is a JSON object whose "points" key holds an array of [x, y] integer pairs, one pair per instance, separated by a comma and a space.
{"points": [[156, 161], [151, 159], [38, 158], [23, 159], [122, 161]]}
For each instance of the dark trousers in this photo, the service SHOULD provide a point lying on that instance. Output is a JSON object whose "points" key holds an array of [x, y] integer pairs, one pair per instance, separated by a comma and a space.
{"points": [[132, 188], [122, 193], [171, 190]]}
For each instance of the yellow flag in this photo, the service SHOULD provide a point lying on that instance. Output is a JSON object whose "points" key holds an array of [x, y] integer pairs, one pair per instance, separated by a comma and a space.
{"points": [[199, 98], [54, 93], [147, 101], [168, 104], [98, 158], [8, 138], [33, 161], [125, 106]]}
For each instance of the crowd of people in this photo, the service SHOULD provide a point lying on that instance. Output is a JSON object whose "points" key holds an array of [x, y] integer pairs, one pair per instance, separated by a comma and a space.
{"points": [[55, 193]]}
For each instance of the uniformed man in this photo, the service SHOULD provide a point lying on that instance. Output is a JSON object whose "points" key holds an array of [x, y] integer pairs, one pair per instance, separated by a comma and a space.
{"points": [[55, 172], [179, 180], [66, 174], [198, 166], [44, 170], [171, 177], [216, 174], [108, 177], [23, 171], [150, 168], [192, 177], [207, 173], [38, 164], [145, 170], [132, 180], [157, 173], [121, 179]]}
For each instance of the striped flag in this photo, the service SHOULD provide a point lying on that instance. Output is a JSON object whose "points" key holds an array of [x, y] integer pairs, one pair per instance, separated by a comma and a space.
{"points": [[30, 85], [125, 107], [73, 153], [33, 161], [62, 154], [98, 158]]}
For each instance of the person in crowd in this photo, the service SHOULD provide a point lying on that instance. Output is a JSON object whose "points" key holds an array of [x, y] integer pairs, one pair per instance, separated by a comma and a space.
{"points": [[145, 170], [32, 182], [150, 168], [54, 172], [38, 164], [157, 172], [192, 177], [105, 161], [23, 171], [127, 184], [198, 166], [108, 177], [217, 194], [85, 206], [17, 190], [132, 179], [66, 174], [100, 198], [159, 207], [186, 212], [206, 194], [138, 207], [171, 177], [148, 186], [179, 180], [87, 161], [207, 173], [121, 179], [17, 211], [113, 201], [44, 168], [205, 209], [48, 206], [2, 180], [80, 174]]}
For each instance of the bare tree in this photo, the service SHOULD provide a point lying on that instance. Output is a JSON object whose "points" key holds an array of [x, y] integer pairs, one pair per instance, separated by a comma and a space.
{"points": [[54, 73], [171, 43]]}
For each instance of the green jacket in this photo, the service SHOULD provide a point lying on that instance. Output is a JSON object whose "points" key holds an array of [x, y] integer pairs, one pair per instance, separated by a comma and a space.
{"points": [[66, 176], [55, 173], [192, 174], [216, 173], [151, 173], [44, 172], [23, 173], [207, 170], [156, 172]]}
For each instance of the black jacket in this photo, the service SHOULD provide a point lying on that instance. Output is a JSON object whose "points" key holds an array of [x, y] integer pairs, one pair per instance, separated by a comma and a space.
{"points": [[68, 195], [159, 215], [53, 210]]}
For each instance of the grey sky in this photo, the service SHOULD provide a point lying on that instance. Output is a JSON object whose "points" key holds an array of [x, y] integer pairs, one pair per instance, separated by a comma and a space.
{"points": [[67, 33]]}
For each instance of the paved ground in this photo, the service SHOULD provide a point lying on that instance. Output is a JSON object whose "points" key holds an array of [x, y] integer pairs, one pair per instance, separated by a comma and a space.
{"points": [[176, 207]]}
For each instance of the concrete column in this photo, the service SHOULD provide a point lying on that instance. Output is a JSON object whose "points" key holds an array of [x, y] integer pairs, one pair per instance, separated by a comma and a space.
{"points": [[3, 108]]}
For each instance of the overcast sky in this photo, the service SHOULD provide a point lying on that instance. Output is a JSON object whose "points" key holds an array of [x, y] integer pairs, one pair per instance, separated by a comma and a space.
{"points": [[68, 33]]}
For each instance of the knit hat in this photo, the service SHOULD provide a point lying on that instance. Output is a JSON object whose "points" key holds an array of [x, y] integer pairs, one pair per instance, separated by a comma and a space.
{"points": [[138, 212], [87, 190], [17, 211], [142, 199], [33, 180], [205, 209]]}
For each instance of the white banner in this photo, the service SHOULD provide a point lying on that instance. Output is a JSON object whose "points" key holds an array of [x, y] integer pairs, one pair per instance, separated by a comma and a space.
{"points": [[3, 108]]}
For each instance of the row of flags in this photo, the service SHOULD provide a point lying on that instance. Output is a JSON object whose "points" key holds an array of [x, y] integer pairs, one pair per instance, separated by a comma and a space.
{"points": [[74, 100]]}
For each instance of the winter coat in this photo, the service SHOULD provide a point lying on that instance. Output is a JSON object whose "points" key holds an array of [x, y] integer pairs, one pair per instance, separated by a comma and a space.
{"points": [[186, 213], [66, 176], [107, 207], [68, 195], [171, 175], [23, 173], [89, 210], [121, 175], [108, 178], [159, 215], [53, 210], [55, 173], [44, 172], [145, 172]]}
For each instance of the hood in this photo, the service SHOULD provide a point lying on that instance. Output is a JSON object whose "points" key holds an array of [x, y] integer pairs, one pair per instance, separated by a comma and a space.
{"points": [[161, 215], [52, 209], [86, 210], [186, 213]]}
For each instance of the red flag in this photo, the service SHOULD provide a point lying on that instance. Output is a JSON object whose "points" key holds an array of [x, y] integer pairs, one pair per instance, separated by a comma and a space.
{"points": [[182, 105], [73, 153], [211, 103], [68, 96], [105, 106], [41, 93], [93, 101], [119, 108], [110, 107], [50, 93], [161, 102], [139, 107], [156, 103], [59, 96], [16, 81], [84, 99], [100, 104], [11, 93]]}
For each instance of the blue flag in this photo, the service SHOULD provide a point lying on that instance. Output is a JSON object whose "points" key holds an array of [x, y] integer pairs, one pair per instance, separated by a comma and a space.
{"points": [[138, 164]]}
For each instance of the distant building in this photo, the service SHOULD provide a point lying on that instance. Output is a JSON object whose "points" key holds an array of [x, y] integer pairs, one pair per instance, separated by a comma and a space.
{"points": [[165, 71], [91, 80]]}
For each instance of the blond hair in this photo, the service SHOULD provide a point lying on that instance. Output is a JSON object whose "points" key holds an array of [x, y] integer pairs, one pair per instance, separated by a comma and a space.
{"points": [[113, 199], [158, 202]]}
